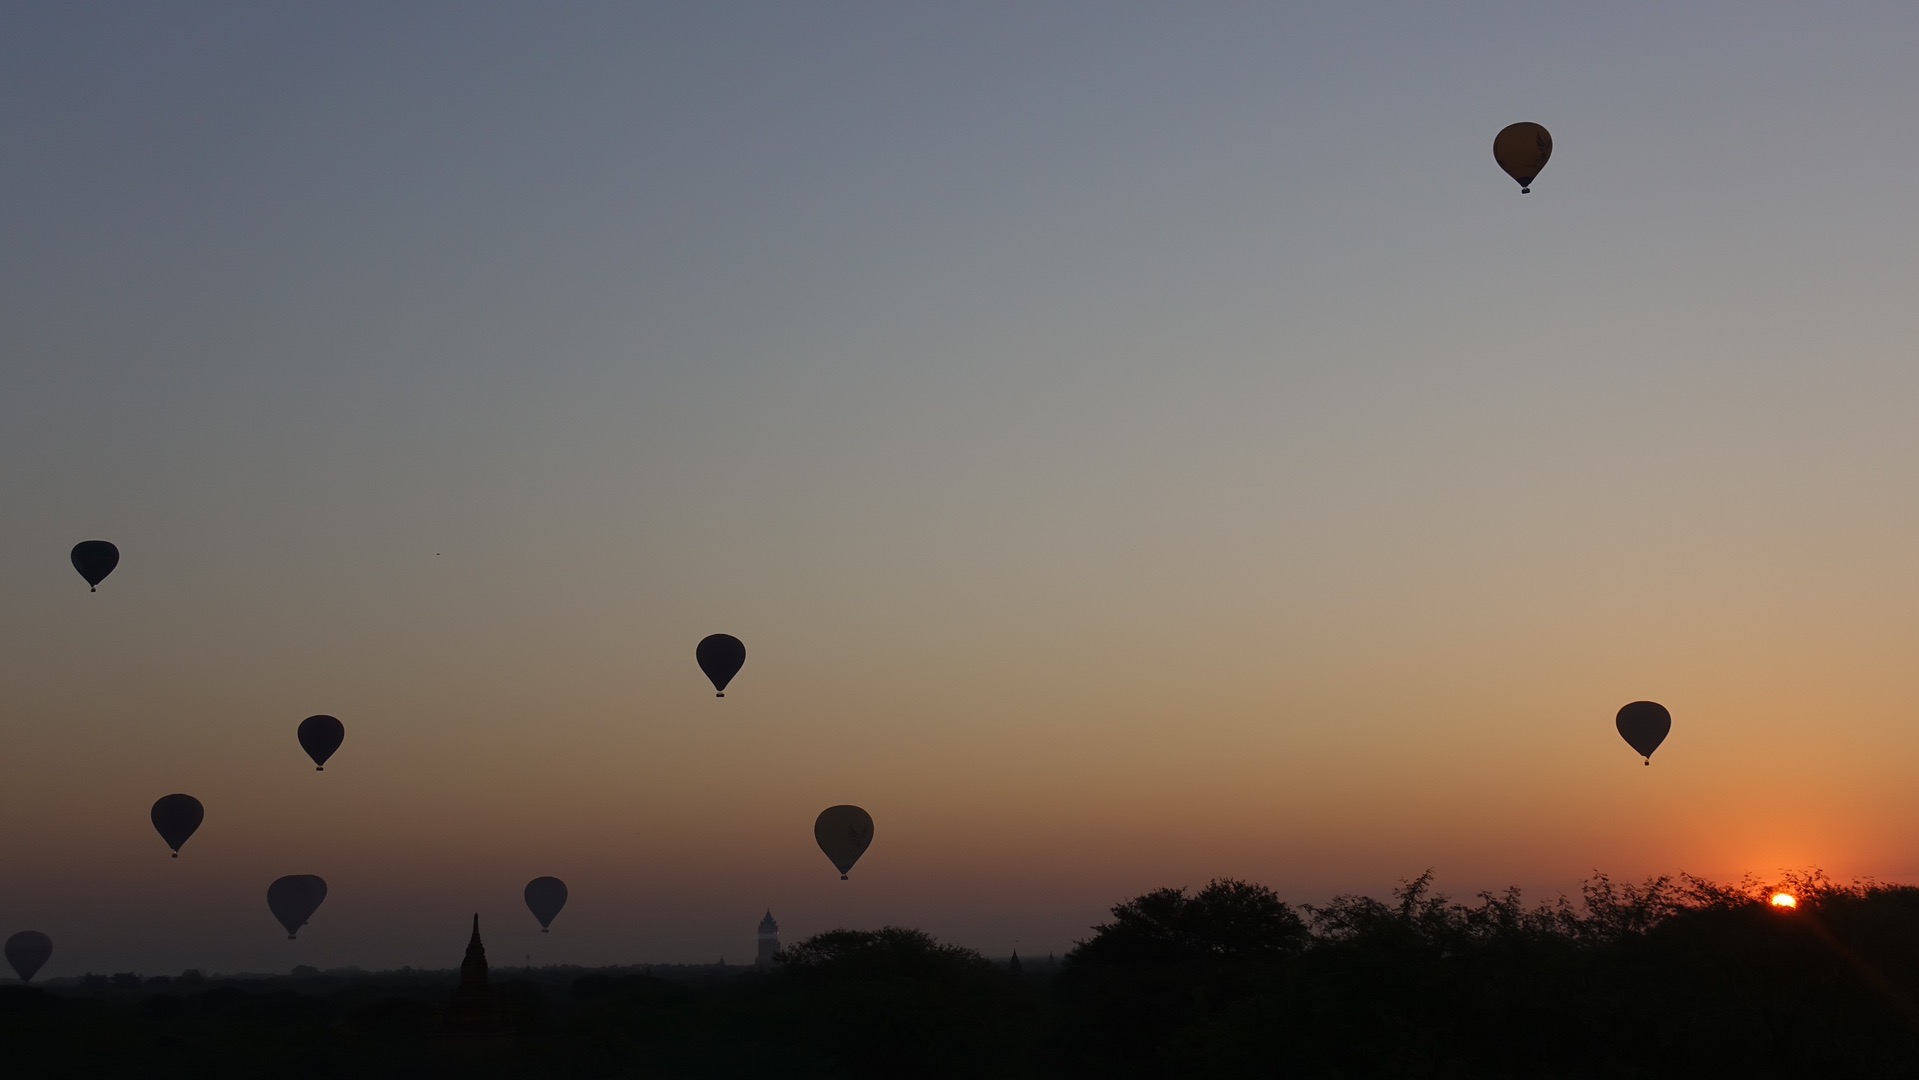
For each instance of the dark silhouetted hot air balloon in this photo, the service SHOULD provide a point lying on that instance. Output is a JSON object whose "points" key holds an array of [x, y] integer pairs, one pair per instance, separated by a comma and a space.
{"points": [[1644, 724], [95, 559], [293, 900], [177, 817], [27, 951], [1522, 149], [843, 833], [545, 896], [320, 736], [721, 656]]}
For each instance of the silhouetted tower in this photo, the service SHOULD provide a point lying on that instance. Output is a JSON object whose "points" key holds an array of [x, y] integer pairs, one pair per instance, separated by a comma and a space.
{"points": [[1013, 964], [473, 1008], [769, 943]]}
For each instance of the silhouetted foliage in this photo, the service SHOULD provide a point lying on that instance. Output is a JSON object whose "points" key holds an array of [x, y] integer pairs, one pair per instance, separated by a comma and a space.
{"points": [[889, 954], [1672, 977], [894, 1002], [1165, 960]]}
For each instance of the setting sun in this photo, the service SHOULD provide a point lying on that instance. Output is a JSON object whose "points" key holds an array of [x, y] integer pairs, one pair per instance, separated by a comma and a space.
{"points": [[1784, 900]]}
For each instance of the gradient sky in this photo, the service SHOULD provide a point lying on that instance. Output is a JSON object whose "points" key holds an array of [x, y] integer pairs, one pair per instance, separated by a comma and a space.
{"points": [[1136, 443]]}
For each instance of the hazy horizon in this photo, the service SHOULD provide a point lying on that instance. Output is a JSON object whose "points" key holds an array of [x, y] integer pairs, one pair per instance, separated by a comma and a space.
{"points": [[1136, 445]]}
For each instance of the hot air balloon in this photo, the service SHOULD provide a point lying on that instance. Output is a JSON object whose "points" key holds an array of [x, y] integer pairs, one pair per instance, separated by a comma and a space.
{"points": [[95, 559], [843, 833], [293, 900], [320, 736], [721, 656], [1522, 149], [545, 896], [1644, 724], [177, 817], [26, 951]]}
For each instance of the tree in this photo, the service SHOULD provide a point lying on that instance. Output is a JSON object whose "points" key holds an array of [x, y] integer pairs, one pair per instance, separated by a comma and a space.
{"points": [[891, 952], [894, 1002], [1226, 921], [1169, 962]]}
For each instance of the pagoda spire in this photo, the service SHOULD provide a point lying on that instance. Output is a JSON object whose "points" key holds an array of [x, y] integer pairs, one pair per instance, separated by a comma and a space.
{"points": [[473, 1008]]}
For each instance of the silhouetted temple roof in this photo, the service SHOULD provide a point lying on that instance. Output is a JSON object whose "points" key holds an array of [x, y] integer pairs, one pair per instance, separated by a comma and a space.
{"points": [[473, 1009]]}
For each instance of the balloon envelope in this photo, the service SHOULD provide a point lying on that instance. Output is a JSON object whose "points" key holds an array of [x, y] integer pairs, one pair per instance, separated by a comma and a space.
{"points": [[26, 951], [95, 559], [177, 818], [1522, 149], [843, 832], [545, 896], [721, 656], [293, 900], [320, 736], [1644, 724]]}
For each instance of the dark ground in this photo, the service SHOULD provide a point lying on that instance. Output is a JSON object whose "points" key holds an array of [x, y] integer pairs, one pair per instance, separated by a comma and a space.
{"points": [[1670, 978]]}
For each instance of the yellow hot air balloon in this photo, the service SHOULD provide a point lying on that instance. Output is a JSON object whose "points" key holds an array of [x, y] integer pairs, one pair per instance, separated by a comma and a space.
{"points": [[1522, 150]]}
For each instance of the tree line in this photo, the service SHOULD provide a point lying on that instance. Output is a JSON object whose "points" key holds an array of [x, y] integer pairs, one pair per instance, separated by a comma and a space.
{"points": [[1675, 976]]}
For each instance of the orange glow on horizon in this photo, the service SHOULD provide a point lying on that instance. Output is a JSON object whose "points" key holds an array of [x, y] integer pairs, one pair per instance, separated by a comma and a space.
{"points": [[1784, 900]]}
